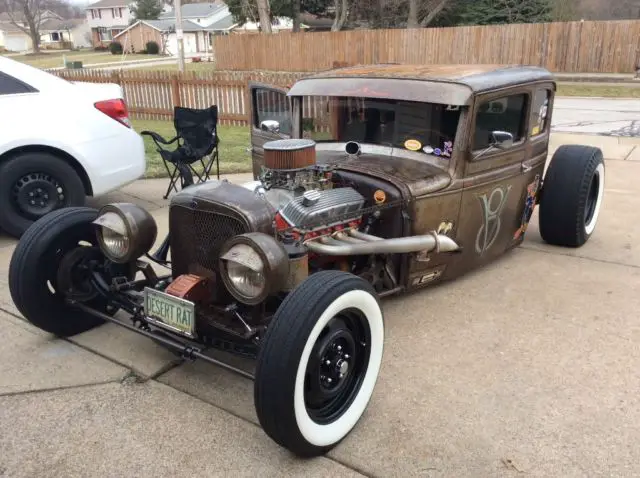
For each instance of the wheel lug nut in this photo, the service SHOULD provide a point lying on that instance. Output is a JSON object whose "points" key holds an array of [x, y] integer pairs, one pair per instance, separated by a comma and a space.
{"points": [[46, 196], [31, 194], [329, 380], [341, 375], [339, 347], [346, 356], [328, 362], [33, 203]]}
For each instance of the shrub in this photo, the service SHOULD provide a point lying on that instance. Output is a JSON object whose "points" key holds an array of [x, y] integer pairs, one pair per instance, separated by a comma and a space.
{"points": [[152, 48], [115, 48], [100, 48]]}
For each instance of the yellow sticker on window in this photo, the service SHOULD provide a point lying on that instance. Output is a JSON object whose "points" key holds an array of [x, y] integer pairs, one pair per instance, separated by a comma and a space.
{"points": [[535, 130], [413, 144]]}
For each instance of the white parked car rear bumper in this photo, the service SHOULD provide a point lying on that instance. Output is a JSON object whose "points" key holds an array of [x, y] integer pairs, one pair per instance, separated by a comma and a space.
{"points": [[113, 162]]}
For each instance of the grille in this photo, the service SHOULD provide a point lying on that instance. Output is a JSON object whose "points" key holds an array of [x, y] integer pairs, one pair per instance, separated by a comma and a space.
{"points": [[197, 237]]}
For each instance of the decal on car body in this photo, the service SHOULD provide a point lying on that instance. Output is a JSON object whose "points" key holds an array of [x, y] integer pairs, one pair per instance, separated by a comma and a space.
{"points": [[492, 206]]}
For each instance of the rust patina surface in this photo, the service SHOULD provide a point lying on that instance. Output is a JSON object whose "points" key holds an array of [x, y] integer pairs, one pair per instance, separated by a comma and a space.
{"points": [[448, 84]]}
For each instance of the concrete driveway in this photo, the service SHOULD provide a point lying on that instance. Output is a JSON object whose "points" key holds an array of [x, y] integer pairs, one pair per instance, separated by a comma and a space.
{"points": [[527, 367]]}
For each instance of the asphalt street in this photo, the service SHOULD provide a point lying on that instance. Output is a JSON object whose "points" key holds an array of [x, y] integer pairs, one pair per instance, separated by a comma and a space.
{"points": [[608, 117]]}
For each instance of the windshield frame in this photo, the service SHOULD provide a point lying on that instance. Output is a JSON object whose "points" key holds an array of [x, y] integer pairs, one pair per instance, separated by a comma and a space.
{"points": [[448, 164]]}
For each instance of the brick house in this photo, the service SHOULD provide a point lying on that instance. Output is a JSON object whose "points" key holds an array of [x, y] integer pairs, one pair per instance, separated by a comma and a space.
{"points": [[200, 22]]}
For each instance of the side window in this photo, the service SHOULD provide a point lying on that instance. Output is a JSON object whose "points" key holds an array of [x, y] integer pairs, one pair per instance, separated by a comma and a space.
{"points": [[539, 112], [12, 86], [500, 114], [271, 105]]}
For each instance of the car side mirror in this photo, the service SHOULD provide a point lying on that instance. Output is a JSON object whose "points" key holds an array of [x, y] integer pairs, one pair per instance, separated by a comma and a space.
{"points": [[501, 139], [272, 126]]}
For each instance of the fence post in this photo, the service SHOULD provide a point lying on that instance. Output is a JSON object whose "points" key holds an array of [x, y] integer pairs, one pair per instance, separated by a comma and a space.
{"points": [[175, 90]]}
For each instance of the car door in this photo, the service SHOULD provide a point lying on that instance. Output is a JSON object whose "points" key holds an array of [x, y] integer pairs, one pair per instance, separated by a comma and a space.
{"points": [[533, 165], [494, 179], [267, 104]]}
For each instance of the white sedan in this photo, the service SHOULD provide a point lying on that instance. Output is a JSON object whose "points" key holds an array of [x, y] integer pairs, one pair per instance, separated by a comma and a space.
{"points": [[60, 142]]}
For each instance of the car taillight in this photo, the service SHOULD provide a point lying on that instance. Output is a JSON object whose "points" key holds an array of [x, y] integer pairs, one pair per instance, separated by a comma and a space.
{"points": [[116, 109]]}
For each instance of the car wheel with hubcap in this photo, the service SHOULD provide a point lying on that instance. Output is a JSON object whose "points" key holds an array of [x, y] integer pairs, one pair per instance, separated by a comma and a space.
{"points": [[319, 362], [33, 185], [51, 264], [572, 195]]}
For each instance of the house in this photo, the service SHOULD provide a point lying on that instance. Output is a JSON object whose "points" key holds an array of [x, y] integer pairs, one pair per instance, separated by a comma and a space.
{"points": [[200, 22], [65, 34], [203, 14], [196, 38], [14, 38], [279, 24], [107, 18]]}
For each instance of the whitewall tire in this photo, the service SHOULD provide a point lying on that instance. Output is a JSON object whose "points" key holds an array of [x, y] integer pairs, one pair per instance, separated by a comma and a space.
{"points": [[319, 362]]}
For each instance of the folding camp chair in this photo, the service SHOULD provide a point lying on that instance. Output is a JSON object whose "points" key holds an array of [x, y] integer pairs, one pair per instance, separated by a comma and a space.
{"points": [[197, 140]]}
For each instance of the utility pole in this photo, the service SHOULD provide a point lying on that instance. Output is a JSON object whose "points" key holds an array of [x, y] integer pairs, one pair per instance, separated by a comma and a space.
{"points": [[179, 34]]}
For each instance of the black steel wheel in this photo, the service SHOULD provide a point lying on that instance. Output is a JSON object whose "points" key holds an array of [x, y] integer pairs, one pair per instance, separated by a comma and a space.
{"points": [[572, 195], [319, 362], [33, 185], [47, 267]]}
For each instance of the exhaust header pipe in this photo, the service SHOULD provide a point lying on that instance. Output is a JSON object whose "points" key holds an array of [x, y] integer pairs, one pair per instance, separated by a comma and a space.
{"points": [[352, 242]]}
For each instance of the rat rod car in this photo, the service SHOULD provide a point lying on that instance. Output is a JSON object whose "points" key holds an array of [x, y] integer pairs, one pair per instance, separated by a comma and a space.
{"points": [[369, 181]]}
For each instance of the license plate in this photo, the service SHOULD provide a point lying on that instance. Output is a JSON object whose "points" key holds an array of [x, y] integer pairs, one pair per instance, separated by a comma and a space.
{"points": [[169, 312]]}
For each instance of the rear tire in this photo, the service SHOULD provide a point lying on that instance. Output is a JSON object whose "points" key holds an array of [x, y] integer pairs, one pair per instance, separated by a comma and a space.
{"points": [[34, 266], [319, 362], [33, 185], [572, 195]]}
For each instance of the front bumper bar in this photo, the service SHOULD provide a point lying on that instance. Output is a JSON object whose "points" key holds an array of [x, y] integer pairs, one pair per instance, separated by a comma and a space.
{"points": [[185, 350]]}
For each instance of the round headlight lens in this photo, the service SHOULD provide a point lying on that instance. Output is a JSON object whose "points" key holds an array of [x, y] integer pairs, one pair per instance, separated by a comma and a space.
{"points": [[125, 231], [116, 243], [253, 265], [245, 271]]}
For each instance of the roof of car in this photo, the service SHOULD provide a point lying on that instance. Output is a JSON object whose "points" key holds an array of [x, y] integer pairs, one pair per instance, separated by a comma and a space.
{"points": [[449, 84], [477, 77]]}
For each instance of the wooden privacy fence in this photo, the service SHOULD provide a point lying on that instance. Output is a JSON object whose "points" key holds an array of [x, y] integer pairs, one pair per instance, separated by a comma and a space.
{"points": [[153, 94], [594, 47]]}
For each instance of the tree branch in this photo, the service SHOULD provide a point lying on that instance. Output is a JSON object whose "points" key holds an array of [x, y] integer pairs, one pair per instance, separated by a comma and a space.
{"points": [[433, 13]]}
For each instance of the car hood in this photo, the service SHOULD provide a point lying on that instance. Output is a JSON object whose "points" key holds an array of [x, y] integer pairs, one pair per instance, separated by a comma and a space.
{"points": [[413, 176]]}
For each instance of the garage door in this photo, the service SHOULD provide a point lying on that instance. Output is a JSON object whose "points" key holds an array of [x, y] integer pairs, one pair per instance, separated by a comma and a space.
{"points": [[190, 43], [16, 43]]}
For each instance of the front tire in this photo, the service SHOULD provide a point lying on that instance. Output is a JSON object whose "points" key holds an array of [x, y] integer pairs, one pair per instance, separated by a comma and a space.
{"points": [[572, 195], [33, 185], [34, 279], [319, 362]]}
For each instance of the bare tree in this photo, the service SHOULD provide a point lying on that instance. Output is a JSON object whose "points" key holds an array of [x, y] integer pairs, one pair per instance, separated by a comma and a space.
{"points": [[29, 12], [422, 17], [564, 10], [296, 15], [341, 15], [264, 13]]}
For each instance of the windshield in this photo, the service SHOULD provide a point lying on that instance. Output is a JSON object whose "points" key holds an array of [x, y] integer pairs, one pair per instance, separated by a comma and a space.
{"points": [[426, 127]]}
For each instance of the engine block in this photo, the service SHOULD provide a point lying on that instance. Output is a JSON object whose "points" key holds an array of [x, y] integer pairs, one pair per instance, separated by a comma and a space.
{"points": [[320, 209]]}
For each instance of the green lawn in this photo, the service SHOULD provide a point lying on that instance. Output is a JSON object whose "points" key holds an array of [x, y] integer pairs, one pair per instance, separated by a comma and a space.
{"points": [[87, 56], [173, 67], [234, 141], [599, 90]]}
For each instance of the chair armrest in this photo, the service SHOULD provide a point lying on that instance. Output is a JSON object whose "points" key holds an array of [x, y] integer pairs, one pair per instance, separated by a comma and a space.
{"points": [[157, 138]]}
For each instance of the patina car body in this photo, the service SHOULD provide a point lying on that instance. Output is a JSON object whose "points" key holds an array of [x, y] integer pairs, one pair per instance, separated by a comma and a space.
{"points": [[368, 181]]}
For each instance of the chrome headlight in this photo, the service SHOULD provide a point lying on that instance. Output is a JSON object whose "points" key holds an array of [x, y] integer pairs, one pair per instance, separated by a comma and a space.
{"points": [[125, 231], [253, 266]]}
